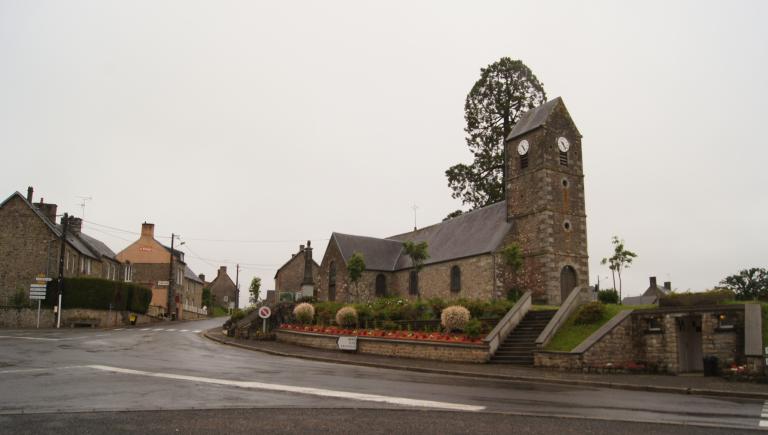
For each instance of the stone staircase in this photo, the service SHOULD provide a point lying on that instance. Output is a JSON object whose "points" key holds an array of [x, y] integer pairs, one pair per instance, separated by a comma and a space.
{"points": [[520, 344]]}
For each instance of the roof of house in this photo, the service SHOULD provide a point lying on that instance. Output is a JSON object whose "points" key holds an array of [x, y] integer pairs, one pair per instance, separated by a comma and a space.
{"points": [[477, 232], [293, 257], [82, 243], [189, 274], [533, 118]]}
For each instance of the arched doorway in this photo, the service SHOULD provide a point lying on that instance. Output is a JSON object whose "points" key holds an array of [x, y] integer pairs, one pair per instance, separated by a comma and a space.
{"points": [[567, 282]]}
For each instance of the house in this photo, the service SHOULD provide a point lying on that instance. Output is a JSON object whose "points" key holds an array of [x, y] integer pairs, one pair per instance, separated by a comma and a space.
{"points": [[652, 294], [150, 263], [543, 214], [30, 246], [298, 276], [224, 292]]}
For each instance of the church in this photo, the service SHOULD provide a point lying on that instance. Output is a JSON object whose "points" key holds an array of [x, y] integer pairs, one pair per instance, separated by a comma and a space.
{"points": [[543, 214]]}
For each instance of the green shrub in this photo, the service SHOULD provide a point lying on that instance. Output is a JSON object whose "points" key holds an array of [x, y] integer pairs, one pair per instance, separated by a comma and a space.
{"points": [[346, 317], [608, 296], [237, 314], [99, 294], [474, 328], [304, 313], [326, 311], [514, 294], [712, 297], [19, 299], [454, 318], [590, 313], [389, 325]]}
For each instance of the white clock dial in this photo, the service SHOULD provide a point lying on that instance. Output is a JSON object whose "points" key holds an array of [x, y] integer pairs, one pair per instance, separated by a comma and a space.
{"points": [[563, 144], [522, 147]]}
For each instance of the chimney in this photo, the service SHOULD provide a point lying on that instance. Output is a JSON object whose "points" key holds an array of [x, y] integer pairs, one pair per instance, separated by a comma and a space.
{"points": [[301, 248], [75, 225], [668, 285], [48, 210], [222, 270], [148, 230], [29, 194], [202, 277], [307, 266], [653, 282]]}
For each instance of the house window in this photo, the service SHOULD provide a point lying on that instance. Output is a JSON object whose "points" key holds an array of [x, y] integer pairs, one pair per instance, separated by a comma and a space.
{"points": [[725, 321], [226, 298], [332, 282], [654, 324], [381, 285], [455, 279], [413, 283], [128, 272], [564, 158]]}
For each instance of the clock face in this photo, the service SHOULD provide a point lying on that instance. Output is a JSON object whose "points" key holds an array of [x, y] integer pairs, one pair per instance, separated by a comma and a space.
{"points": [[563, 144], [522, 147]]}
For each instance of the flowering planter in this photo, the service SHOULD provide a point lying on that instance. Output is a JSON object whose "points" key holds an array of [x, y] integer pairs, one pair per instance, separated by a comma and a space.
{"points": [[440, 347]]}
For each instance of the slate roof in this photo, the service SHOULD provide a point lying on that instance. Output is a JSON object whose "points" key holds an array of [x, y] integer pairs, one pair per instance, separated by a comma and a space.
{"points": [[477, 232], [97, 246], [640, 300], [534, 118], [189, 274]]}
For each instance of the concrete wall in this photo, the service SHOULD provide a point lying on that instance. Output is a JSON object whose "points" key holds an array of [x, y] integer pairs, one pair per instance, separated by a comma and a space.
{"points": [[454, 352]]}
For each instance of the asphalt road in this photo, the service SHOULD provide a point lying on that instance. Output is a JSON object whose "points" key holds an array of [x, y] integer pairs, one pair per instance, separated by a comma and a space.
{"points": [[55, 381]]}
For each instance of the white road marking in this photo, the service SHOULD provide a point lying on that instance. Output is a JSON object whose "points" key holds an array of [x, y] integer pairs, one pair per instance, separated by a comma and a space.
{"points": [[170, 330], [300, 390], [30, 338], [145, 329], [119, 329], [183, 330], [764, 415], [158, 329], [196, 331]]}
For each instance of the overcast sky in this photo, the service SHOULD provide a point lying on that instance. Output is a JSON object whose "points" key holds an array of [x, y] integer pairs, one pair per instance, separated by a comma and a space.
{"points": [[264, 125]]}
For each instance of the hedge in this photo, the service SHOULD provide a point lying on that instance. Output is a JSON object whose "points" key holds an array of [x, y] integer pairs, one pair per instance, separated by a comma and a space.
{"points": [[98, 294], [712, 297]]}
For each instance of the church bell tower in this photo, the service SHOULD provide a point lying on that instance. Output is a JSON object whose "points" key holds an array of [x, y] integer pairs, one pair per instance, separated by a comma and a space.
{"points": [[545, 201]]}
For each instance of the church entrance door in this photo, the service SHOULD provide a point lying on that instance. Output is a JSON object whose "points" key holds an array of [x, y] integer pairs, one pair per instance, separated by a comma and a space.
{"points": [[567, 282]]}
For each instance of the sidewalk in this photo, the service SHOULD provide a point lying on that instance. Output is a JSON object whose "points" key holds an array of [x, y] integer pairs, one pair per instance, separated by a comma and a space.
{"points": [[698, 385]]}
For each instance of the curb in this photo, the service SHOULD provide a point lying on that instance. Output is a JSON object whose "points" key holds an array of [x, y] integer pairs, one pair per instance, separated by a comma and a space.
{"points": [[543, 380]]}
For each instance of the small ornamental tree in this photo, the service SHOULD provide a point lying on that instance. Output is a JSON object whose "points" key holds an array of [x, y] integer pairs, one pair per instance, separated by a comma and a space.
{"points": [[418, 253], [346, 317], [454, 318], [304, 313], [620, 260], [355, 268], [253, 290]]}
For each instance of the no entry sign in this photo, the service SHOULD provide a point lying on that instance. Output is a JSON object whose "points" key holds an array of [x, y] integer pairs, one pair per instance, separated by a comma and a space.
{"points": [[265, 312]]}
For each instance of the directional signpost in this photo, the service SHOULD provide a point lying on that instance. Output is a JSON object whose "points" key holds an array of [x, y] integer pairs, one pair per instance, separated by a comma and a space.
{"points": [[37, 293], [264, 313]]}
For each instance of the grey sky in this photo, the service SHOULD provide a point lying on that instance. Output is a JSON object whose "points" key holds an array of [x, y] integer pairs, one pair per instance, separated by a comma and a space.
{"points": [[286, 121]]}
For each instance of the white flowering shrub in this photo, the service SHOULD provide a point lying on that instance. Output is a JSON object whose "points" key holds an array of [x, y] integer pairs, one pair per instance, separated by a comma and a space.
{"points": [[304, 313], [454, 318], [346, 316]]}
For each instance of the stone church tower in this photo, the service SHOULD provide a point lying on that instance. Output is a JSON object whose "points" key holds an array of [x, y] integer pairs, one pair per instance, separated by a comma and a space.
{"points": [[545, 201]]}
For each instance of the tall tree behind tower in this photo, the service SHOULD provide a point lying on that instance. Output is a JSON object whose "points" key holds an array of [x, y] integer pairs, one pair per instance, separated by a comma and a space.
{"points": [[506, 89]]}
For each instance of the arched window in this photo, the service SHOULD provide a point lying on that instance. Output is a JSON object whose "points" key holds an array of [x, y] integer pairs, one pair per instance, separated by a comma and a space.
{"points": [[381, 285], [568, 282], [413, 283], [455, 279], [332, 281]]}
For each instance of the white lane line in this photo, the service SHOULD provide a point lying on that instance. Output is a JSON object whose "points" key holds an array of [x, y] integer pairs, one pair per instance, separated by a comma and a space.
{"points": [[158, 329], [764, 415], [119, 329], [183, 330], [40, 370], [30, 338], [300, 390], [196, 331], [170, 330], [145, 329]]}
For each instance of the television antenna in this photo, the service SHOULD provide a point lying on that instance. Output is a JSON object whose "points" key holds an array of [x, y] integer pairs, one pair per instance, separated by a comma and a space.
{"points": [[414, 207], [83, 200]]}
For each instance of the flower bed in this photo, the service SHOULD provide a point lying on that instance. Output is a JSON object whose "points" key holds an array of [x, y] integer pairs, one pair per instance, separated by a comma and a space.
{"points": [[392, 335]]}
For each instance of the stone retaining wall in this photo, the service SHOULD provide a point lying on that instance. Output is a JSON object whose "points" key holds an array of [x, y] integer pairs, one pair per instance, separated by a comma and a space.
{"points": [[26, 318], [454, 352]]}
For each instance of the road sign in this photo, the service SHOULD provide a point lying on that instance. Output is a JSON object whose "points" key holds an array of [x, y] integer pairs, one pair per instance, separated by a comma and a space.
{"points": [[37, 297], [265, 312], [37, 292], [43, 279], [163, 283], [347, 343]]}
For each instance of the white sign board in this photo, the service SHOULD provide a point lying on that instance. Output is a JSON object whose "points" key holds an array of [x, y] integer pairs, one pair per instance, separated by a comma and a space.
{"points": [[37, 292], [162, 283], [265, 312], [347, 343]]}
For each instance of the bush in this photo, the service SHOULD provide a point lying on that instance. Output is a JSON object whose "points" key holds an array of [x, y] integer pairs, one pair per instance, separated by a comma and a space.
{"points": [[304, 313], [474, 328], [454, 318], [590, 313], [347, 317], [514, 294], [326, 311], [712, 297], [19, 299], [608, 296], [99, 294]]}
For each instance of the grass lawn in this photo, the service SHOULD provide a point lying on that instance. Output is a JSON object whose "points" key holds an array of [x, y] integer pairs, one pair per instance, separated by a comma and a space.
{"points": [[220, 312], [544, 307], [571, 335]]}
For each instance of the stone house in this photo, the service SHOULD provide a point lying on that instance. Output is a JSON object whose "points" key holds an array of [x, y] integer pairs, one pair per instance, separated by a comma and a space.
{"points": [[299, 275], [150, 263], [223, 290], [651, 295], [30, 246], [543, 214]]}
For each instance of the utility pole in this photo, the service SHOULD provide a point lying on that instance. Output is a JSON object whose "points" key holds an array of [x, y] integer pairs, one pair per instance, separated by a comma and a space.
{"points": [[171, 296], [237, 286], [60, 279]]}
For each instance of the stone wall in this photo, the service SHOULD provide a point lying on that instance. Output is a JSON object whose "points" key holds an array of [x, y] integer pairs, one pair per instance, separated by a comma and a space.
{"points": [[454, 352], [289, 277], [26, 318]]}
